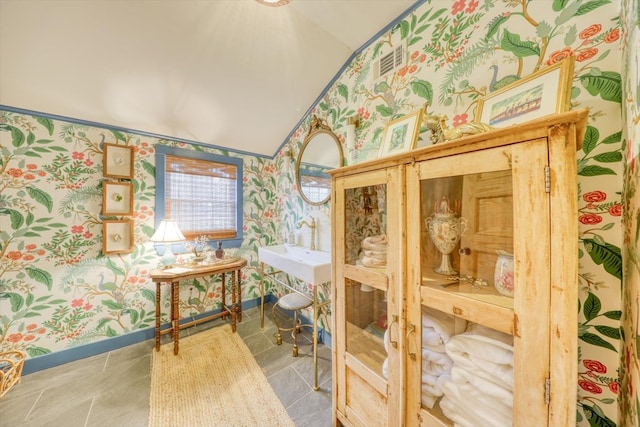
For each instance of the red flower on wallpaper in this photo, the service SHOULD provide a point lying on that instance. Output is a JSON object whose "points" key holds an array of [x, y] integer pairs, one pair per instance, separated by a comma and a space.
{"points": [[14, 172], [594, 196], [473, 5], [460, 119], [457, 7], [612, 36], [559, 55], [586, 54], [590, 219], [590, 386], [594, 365], [616, 210], [14, 337], [614, 386], [14, 255], [590, 31]]}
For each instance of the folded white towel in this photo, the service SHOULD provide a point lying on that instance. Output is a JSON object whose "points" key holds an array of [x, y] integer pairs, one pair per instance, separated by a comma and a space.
{"points": [[464, 402], [373, 262], [385, 368], [437, 329], [435, 363], [461, 376], [381, 255], [451, 411], [484, 352], [378, 243], [428, 400]]}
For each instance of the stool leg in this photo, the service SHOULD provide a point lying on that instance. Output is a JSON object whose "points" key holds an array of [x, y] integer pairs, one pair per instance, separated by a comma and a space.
{"points": [[275, 319], [294, 333]]}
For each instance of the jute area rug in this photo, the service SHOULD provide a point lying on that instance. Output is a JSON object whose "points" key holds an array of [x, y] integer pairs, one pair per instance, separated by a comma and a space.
{"points": [[213, 380]]}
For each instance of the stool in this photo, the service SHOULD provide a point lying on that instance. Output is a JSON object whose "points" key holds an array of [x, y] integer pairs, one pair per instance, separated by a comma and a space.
{"points": [[293, 302]]}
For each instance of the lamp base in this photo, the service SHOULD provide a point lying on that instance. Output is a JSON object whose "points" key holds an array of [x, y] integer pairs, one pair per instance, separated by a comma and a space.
{"points": [[168, 259]]}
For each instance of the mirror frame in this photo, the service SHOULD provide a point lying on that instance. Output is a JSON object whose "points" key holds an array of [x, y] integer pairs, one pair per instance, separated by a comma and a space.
{"points": [[317, 127]]}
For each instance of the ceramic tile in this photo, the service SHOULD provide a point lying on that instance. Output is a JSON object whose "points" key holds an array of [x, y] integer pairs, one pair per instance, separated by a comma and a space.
{"points": [[113, 388]]}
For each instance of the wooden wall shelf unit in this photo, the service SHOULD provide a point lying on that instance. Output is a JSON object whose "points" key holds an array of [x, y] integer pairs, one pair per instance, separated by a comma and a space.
{"points": [[398, 331]]}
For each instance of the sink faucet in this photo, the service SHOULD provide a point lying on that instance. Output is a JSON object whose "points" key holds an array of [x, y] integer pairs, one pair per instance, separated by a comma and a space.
{"points": [[312, 226]]}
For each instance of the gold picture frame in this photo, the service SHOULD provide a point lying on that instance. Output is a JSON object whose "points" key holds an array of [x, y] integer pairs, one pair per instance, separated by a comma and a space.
{"points": [[400, 135], [117, 161], [544, 92], [117, 198], [117, 236]]}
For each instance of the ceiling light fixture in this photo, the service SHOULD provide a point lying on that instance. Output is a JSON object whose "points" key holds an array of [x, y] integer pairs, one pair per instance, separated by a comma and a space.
{"points": [[273, 3]]}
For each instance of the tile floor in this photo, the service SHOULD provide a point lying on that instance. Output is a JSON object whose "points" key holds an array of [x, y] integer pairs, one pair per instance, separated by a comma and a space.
{"points": [[112, 389]]}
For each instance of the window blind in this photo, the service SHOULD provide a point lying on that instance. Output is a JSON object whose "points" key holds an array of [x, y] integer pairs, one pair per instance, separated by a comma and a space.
{"points": [[201, 196]]}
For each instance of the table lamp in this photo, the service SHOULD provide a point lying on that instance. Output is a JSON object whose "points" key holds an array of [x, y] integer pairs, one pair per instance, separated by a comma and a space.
{"points": [[168, 233]]}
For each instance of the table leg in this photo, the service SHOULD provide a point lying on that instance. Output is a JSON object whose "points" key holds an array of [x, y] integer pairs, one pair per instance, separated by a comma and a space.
{"points": [[224, 297], [262, 296], [239, 312], [175, 315], [233, 301], [157, 316], [316, 387]]}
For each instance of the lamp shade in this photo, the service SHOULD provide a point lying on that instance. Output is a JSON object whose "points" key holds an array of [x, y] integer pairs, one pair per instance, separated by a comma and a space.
{"points": [[167, 232]]}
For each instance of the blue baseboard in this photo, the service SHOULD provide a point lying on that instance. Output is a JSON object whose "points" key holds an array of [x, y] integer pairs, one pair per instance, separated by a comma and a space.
{"points": [[40, 363]]}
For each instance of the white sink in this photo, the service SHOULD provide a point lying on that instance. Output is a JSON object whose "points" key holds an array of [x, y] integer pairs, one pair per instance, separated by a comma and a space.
{"points": [[310, 266]]}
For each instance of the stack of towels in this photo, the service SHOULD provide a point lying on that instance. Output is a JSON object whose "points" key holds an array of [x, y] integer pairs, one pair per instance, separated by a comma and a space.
{"points": [[437, 330], [374, 251], [479, 389]]}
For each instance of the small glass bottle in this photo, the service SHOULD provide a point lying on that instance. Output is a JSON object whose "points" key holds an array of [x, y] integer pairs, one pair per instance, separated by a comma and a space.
{"points": [[219, 251]]}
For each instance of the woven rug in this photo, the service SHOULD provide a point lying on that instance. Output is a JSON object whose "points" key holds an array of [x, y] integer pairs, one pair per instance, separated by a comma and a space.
{"points": [[213, 380]]}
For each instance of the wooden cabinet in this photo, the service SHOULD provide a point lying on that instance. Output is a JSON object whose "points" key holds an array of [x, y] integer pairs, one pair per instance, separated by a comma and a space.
{"points": [[455, 281]]}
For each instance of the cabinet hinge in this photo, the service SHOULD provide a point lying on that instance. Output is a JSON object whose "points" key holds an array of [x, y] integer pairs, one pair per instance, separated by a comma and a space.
{"points": [[547, 179], [547, 390]]}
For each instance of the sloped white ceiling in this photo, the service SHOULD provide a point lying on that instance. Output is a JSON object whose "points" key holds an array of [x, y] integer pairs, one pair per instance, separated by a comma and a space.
{"points": [[231, 73]]}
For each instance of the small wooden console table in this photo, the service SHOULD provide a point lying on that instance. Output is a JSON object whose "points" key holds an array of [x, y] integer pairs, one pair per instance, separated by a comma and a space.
{"points": [[174, 276]]}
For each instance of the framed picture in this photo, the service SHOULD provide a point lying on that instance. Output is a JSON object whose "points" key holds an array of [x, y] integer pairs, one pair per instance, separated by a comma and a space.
{"points": [[117, 161], [542, 93], [401, 134], [117, 198], [117, 236]]}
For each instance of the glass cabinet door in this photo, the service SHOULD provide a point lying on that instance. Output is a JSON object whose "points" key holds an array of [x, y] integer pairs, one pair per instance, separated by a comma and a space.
{"points": [[368, 304], [478, 247]]}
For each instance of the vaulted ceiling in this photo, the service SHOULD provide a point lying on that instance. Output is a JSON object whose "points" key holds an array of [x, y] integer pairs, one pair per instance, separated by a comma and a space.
{"points": [[231, 73]]}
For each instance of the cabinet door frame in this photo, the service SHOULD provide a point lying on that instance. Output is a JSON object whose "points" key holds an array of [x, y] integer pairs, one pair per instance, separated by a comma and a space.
{"points": [[528, 162], [393, 178]]}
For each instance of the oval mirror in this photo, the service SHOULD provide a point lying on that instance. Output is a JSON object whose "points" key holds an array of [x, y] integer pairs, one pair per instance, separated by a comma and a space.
{"points": [[320, 152]]}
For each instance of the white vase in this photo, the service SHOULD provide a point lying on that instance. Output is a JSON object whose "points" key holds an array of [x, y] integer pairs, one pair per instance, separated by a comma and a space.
{"points": [[445, 230], [503, 278]]}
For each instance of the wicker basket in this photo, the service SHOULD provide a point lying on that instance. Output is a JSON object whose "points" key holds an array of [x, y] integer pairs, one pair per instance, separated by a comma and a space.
{"points": [[11, 363]]}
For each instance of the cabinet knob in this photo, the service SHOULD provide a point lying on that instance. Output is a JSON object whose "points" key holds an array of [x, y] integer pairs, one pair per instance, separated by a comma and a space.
{"points": [[464, 251]]}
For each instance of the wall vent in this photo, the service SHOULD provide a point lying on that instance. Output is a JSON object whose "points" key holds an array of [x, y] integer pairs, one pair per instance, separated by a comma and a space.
{"points": [[390, 62]]}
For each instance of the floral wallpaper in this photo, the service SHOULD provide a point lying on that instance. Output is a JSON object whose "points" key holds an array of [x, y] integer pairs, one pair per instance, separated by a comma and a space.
{"points": [[459, 51], [57, 291]]}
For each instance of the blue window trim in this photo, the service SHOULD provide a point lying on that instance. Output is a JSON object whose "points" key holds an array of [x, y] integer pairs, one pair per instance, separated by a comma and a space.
{"points": [[162, 151]]}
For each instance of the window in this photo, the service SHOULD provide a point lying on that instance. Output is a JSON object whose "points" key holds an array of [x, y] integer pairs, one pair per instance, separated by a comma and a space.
{"points": [[201, 191], [316, 186]]}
